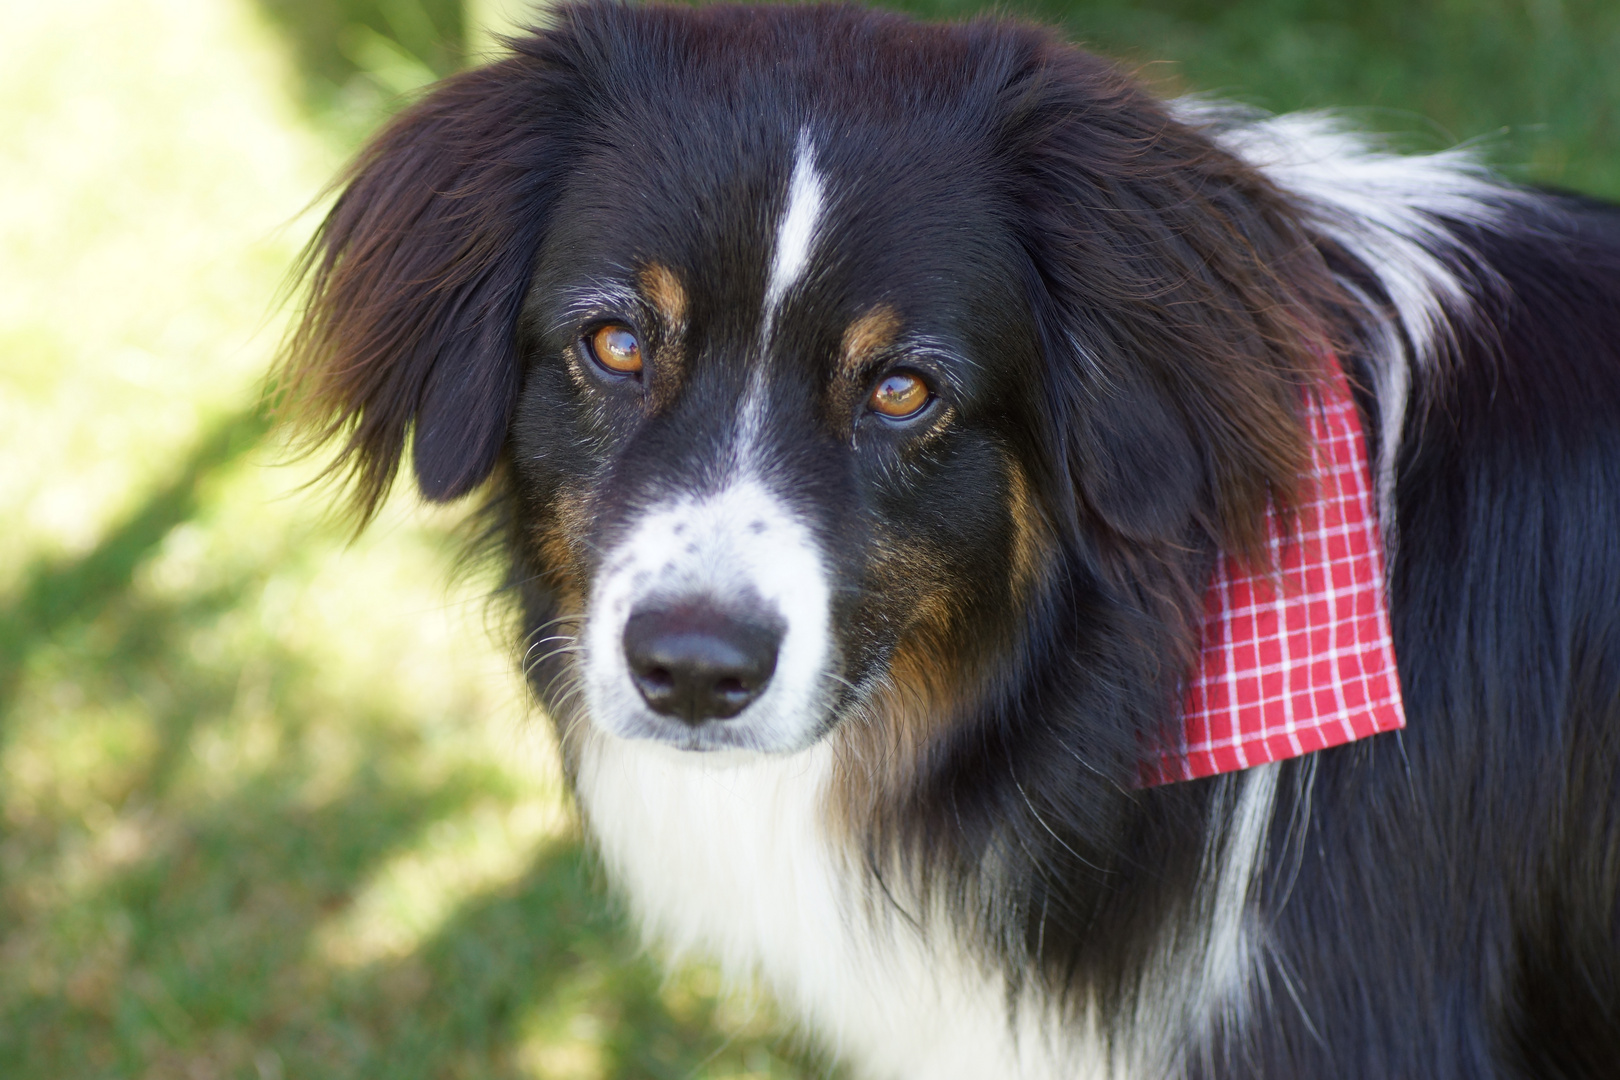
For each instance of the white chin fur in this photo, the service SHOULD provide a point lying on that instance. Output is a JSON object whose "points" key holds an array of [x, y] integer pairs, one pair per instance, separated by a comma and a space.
{"points": [[727, 856], [739, 540]]}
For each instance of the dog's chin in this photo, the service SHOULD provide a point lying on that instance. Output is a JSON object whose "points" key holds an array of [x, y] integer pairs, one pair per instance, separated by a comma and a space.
{"points": [[756, 730], [719, 741]]}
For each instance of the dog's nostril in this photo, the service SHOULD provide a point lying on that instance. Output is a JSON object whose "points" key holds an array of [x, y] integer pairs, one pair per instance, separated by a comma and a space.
{"points": [[698, 662]]}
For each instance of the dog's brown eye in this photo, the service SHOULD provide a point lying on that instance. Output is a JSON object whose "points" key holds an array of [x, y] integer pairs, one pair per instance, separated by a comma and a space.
{"points": [[899, 395], [615, 347]]}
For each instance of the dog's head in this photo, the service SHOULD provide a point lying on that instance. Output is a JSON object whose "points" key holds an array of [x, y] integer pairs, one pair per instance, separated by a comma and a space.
{"points": [[830, 365]]}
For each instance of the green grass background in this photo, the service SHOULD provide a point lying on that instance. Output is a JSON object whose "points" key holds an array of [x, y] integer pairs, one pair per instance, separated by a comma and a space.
{"points": [[272, 805]]}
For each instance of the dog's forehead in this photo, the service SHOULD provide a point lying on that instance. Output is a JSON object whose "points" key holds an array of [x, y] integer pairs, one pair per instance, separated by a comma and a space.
{"points": [[785, 202]]}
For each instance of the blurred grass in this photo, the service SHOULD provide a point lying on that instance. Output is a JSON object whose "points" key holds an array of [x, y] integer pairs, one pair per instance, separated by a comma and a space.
{"points": [[355, 59], [272, 805], [1534, 83]]}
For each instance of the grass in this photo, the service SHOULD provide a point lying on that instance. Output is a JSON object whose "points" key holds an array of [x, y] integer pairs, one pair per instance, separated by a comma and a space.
{"points": [[272, 805], [1533, 84]]}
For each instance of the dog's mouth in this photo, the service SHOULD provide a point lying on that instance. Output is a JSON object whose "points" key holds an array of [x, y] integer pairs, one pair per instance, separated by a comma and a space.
{"points": [[709, 627]]}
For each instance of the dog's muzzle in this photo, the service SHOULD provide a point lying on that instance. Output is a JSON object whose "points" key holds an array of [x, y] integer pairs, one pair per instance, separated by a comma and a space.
{"points": [[709, 626]]}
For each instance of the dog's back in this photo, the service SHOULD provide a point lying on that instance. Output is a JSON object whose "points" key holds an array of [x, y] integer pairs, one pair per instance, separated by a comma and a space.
{"points": [[1482, 848]]}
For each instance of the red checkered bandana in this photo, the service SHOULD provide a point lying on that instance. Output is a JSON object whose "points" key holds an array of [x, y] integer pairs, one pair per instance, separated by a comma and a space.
{"points": [[1300, 660]]}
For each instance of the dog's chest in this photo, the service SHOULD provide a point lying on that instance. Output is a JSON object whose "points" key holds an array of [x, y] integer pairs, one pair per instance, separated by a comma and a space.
{"points": [[729, 861]]}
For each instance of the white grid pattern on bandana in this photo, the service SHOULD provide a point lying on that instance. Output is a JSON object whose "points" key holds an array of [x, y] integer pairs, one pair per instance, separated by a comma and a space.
{"points": [[1303, 659]]}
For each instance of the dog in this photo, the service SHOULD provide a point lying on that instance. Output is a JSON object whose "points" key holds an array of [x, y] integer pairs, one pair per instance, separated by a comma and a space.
{"points": [[873, 415]]}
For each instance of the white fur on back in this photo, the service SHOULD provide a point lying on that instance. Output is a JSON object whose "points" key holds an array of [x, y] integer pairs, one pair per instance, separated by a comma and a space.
{"points": [[1389, 212]]}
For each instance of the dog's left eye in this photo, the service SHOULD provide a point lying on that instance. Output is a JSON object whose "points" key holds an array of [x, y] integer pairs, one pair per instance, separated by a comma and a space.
{"points": [[899, 396], [616, 348]]}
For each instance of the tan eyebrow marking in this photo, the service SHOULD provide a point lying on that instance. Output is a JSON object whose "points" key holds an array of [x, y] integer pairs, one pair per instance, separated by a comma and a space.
{"points": [[866, 337], [663, 289]]}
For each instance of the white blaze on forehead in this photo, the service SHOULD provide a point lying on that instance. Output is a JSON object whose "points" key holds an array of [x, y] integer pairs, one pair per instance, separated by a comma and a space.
{"points": [[796, 230]]}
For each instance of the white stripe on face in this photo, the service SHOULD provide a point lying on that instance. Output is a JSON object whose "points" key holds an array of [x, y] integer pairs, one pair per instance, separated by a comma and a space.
{"points": [[796, 231]]}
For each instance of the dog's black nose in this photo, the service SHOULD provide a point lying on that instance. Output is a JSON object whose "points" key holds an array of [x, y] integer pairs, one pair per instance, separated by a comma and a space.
{"points": [[696, 662]]}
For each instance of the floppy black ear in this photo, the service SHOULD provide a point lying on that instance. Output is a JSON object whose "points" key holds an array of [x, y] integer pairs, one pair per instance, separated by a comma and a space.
{"points": [[1135, 464], [1183, 308], [417, 276]]}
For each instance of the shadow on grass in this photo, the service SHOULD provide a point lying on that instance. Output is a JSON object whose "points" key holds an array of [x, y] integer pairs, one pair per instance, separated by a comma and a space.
{"points": [[202, 955], [510, 966], [167, 897], [57, 593]]}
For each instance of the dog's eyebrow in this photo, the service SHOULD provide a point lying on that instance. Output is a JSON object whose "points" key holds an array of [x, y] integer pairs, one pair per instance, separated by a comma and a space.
{"points": [[950, 362], [581, 302], [867, 336], [660, 285]]}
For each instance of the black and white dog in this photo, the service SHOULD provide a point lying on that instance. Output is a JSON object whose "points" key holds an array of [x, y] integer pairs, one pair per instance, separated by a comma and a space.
{"points": [[866, 406]]}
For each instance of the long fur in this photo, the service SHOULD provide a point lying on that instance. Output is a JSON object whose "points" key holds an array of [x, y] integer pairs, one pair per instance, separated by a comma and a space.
{"points": [[934, 850]]}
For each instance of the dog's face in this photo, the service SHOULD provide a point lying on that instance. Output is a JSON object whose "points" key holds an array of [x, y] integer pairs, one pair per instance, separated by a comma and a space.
{"points": [[813, 350], [777, 396]]}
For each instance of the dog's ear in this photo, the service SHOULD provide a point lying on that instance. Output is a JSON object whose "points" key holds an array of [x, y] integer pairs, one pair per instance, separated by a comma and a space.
{"points": [[1180, 306], [417, 276], [1133, 462]]}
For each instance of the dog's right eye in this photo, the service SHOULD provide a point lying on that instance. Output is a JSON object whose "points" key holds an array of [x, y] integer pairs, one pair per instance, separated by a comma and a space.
{"points": [[615, 347]]}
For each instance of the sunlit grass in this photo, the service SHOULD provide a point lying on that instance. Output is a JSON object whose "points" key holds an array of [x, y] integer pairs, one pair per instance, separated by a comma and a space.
{"points": [[149, 169]]}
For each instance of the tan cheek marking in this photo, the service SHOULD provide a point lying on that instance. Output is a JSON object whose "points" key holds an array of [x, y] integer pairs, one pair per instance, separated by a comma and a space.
{"points": [[927, 684], [664, 292], [1031, 535], [934, 674], [559, 543]]}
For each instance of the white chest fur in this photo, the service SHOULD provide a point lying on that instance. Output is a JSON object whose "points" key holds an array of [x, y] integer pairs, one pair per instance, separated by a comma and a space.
{"points": [[725, 857]]}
